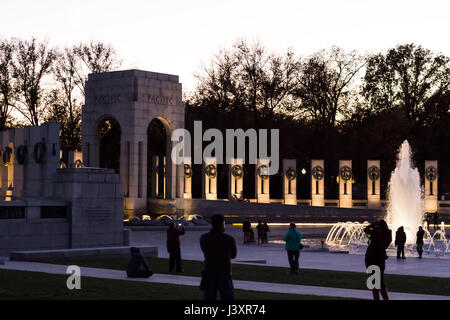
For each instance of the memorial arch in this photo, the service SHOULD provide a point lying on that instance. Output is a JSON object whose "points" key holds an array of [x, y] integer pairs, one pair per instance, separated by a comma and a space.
{"points": [[126, 118]]}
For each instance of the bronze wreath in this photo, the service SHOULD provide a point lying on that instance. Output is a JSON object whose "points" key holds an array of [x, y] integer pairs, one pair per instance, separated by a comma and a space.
{"points": [[187, 170], [237, 171], [20, 154], [291, 174], [38, 152], [431, 173], [317, 172], [260, 172], [346, 173], [211, 171], [374, 173], [78, 164], [7, 156]]}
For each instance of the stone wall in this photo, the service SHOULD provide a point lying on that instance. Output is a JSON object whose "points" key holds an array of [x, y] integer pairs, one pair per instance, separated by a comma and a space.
{"points": [[96, 211], [33, 230]]}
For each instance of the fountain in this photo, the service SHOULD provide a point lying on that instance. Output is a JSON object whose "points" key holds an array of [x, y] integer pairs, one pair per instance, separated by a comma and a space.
{"points": [[405, 196], [405, 208]]}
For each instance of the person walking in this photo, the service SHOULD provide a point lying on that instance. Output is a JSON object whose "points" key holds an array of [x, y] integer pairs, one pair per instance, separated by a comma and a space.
{"points": [[380, 237], [260, 229], [266, 231], [419, 241], [218, 248], [137, 265], [293, 241], [173, 246], [400, 240], [247, 228]]}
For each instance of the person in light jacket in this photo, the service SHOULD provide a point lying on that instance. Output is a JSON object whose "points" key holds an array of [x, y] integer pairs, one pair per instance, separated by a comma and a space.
{"points": [[293, 238]]}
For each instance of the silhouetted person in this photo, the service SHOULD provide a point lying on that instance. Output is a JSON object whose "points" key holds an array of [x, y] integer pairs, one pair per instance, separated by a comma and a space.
{"points": [[266, 231], [247, 228], [293, 238], [435, 220], [137, 265], [380, 237], [419, 241], [219, 248], [428, 220], [260, 229], [400, 240], [173, 246]]}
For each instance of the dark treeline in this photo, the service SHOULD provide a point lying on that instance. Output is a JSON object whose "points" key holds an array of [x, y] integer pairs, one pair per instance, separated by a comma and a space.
{"points": [[332, 105]]}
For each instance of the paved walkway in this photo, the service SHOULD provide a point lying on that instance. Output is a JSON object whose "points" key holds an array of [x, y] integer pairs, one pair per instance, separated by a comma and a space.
{"points": [[275, 255], [194, 281]]}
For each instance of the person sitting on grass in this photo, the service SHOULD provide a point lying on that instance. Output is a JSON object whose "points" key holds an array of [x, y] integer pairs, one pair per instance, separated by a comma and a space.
{"points": [[137, 265]]}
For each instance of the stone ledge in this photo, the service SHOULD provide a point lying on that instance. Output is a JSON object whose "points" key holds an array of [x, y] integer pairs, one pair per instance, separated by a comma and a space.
{"points": [[82, 253]]}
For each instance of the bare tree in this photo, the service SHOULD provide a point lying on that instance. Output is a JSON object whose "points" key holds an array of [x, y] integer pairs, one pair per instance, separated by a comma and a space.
{"points": [[247, 78], [96, 57], [32, 64], [65, 101], [7, 90], [325, 85]]}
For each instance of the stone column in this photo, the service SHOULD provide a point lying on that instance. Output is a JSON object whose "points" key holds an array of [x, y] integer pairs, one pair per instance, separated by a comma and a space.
{"points": [[290, 181], [6, 168], [262, 181], [236, 179], [187, 193], [18, 168], [431, 186], [210, 179], [317, 183], [373, 184], [345, 183]]}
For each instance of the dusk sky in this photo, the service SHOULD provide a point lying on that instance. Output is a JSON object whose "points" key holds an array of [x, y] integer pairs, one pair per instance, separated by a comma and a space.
{"points": [[178, 36]]}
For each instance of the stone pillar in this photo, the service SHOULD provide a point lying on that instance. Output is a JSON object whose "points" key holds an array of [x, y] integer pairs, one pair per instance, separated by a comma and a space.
{"points": [[317, 183], [290, 181], [262, 181], [373, 184], [6, 167], [187, 193], [431, 186], [19, 162], [345, 184], [236, 179], [210, 179]]}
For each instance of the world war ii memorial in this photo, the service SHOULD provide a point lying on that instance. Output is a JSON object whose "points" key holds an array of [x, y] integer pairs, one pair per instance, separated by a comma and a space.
{"points": [[99, 156]]}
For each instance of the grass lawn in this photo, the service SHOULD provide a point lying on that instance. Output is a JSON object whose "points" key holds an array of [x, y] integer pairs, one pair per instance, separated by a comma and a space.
{"points": [[24, 285], [326, 278]]}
